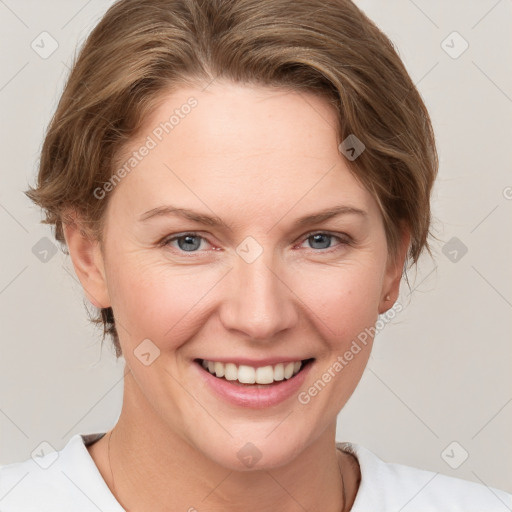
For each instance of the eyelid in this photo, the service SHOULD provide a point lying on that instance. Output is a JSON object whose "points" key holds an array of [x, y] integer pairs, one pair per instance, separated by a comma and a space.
{"points": [[344, 239], [342, 236], [170, 238]]}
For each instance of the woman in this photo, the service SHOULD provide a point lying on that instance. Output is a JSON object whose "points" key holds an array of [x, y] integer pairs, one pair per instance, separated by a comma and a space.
{"points": [[240, 185]]}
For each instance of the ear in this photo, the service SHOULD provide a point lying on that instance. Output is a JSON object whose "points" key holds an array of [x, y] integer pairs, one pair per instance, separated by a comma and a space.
{"points": [[87, 260], [394, 270]]}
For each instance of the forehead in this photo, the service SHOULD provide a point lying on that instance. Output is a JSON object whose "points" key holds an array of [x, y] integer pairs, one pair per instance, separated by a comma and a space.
{"points": [[238, 144], [246, 119]]}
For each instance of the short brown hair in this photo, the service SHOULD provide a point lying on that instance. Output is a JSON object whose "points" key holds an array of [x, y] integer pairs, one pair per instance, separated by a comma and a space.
{"points": [[144, 49]]}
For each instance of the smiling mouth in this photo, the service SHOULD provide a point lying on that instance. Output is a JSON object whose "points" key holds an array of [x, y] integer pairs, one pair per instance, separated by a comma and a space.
{"points": [[245, 375]]}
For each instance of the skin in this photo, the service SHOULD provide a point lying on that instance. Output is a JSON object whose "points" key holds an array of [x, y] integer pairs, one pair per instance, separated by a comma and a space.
{"points": [[258, 158]]}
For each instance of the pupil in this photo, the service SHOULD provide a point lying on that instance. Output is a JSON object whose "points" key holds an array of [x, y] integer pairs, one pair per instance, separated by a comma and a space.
{"points": [[319, 237], [188, 246]]}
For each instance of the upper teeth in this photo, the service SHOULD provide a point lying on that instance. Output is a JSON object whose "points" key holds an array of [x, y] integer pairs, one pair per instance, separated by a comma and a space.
{"points": [[249, 375]]}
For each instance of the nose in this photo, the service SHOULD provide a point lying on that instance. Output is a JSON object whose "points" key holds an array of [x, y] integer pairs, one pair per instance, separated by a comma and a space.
{"points": [[258, 302]]}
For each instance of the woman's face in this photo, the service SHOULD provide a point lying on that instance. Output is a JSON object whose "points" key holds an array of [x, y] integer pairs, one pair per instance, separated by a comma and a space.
{"points": [[256, 286]]}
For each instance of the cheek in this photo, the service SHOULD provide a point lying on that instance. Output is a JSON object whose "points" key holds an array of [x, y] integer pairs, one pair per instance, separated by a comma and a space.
{"points": [[343, 299], [159, 302], [169, 304]]}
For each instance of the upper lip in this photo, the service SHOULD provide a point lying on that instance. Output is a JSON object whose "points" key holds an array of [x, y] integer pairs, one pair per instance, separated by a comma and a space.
{"points": [[257, 363]]}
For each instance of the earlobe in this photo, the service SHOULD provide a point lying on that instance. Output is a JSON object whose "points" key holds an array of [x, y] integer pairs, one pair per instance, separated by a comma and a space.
{"points": [[393, 277], [87, 258]]}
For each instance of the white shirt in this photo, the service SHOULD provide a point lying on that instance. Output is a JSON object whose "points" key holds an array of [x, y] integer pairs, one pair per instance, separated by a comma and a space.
{"points": [[69, 481]]}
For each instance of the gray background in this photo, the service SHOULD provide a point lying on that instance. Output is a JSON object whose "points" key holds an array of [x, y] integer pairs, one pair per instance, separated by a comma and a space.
{"points": [[438, 385]]}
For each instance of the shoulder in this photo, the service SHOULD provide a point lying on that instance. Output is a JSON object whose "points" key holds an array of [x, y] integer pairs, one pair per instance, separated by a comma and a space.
{"points": [[56, 481], [388, 486]]}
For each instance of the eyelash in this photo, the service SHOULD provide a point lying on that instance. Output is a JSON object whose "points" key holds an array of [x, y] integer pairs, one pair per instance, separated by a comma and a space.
{"points": [[344, 241]]}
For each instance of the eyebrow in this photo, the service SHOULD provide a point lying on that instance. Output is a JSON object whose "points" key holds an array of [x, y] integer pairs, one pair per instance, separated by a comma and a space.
{"points": [[314, 218]]}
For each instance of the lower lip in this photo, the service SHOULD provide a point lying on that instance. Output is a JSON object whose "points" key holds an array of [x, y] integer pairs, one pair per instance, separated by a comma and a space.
{"points": [[254, 396]]}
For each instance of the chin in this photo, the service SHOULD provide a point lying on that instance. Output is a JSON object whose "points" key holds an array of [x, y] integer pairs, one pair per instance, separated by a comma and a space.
{"points": [[253, 452]]}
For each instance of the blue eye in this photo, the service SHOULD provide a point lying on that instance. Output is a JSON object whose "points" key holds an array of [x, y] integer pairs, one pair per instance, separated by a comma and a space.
{"points": [[191, 242], [187, 242], [323, 240]]}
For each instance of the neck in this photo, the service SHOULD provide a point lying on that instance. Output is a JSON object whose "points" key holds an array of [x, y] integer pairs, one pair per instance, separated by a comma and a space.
{"points": [[153, 467]]}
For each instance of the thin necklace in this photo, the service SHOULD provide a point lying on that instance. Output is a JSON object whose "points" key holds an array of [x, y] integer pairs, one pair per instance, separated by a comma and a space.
{"points": [[114, 485], [109, 464], [342, 487]]}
